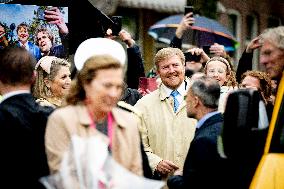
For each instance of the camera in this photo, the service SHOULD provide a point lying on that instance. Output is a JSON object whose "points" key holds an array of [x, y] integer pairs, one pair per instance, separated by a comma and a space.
{"points": [[206, 49], [117, 24], [192, 57], [40, 14]]}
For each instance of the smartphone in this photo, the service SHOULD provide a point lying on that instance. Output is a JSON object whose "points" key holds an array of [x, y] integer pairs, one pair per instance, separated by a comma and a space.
{"points": [[206, 49], [40, 14], [188, 9], [192, 57], [117, 24], [147, 83]]}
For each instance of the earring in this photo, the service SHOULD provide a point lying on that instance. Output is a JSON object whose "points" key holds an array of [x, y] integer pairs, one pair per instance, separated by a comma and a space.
{"points": [[48, 91]]}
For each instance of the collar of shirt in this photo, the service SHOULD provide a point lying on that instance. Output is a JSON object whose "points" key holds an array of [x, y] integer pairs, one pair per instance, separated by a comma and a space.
{"points": [[26, 45], [204, 118], [13, 93], [181, 90]]}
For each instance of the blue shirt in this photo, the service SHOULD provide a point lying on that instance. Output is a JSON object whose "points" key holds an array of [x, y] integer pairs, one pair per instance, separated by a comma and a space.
{"points": [[204, 118], [182, 90]]}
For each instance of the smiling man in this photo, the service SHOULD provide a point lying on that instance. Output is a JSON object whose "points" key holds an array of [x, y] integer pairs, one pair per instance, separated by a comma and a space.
{"points": [[166, 130], [45, 39], [23, 37]]}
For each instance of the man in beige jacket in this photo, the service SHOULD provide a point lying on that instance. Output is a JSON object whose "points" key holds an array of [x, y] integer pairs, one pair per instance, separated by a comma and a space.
{"points": [[166, 130]]}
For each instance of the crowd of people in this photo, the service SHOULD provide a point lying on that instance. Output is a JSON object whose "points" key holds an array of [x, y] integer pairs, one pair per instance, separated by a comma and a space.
{"points": [[169, 134]]}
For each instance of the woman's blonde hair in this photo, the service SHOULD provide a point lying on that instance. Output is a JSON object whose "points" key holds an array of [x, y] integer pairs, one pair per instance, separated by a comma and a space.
{"points": [[231, 81], [47, 67], [87, 74]]}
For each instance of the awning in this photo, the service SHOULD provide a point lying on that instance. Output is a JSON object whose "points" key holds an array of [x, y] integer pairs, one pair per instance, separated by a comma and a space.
{"points": [[158, 5]]}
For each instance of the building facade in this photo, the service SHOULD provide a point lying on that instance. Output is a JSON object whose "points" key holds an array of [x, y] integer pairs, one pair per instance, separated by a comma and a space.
{"points": [[245, 19]]}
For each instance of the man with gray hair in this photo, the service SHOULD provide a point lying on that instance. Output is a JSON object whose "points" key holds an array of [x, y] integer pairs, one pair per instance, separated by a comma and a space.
{"points": [[272, 51], [202, 168]]}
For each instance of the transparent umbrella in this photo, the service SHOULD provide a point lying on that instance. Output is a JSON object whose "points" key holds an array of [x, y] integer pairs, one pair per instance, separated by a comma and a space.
{"points": [[205, 31], [88, 165]]}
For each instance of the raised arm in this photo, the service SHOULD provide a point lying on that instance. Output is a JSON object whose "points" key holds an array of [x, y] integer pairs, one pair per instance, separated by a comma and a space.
{"points": [[245, 62], [135, 67], [185, 24]]}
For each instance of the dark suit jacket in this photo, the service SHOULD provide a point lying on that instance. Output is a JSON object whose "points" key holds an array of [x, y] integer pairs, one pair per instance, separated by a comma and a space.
{"points": [[135, 67], [60, 51], [22, 127], [203, 165]]}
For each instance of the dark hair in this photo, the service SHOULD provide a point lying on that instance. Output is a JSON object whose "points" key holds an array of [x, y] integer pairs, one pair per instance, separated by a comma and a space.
{"points": [[207, 90], [22, 25], [16, 66]]}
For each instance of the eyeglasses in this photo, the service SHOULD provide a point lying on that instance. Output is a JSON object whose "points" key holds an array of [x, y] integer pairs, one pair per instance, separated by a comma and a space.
{"points": [[217, 70]]}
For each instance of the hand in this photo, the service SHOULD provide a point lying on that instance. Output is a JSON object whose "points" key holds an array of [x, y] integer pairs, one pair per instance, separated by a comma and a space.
{"points": [[186, 22], [54, 16], [178, 172], [126, 38], [165, 167], [2, 30], [253, 44], [198, 51], [218, 50], [143, 92], [109, 35]]}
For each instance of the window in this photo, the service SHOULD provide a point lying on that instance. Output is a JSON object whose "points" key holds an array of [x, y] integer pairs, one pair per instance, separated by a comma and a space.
{"points": [[273, 21], [234, 25], [251, 33], [252, 27]]}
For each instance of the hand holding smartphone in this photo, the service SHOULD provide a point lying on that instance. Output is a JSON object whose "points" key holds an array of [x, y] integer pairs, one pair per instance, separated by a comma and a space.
{"points": [[206, 49]]}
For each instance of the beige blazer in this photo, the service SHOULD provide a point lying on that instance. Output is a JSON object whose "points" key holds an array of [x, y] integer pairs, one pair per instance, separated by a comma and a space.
{"points": [[165, 134], [74, 120]]}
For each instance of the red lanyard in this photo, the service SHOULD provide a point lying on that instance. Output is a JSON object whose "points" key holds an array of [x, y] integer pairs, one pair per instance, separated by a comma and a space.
{"points": [[109, 125]]}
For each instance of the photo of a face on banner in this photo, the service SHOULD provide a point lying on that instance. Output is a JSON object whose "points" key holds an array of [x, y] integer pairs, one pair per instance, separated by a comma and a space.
{"points": [[42, 30]]}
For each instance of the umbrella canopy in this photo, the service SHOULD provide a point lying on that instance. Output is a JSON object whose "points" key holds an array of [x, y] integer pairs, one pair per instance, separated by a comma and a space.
{"points": [[205, 31]]}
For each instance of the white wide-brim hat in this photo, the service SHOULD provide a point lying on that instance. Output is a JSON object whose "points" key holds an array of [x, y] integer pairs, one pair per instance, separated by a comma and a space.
{"points": [[98, 46]]}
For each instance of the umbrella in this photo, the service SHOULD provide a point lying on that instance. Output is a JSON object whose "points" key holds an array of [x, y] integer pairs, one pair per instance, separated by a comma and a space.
{"points": [[205, 31]]}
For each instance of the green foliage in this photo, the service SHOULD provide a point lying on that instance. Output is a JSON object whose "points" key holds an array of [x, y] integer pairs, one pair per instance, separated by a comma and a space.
{"points": [[8, 34]]}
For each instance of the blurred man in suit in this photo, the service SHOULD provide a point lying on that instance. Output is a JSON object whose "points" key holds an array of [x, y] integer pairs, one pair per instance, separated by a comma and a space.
{"points": [[22, 122], [202, 168]]}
